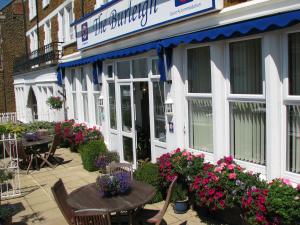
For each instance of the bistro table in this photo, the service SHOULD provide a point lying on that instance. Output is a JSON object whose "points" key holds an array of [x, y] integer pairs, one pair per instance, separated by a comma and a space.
{"points": [[35, 149], [89, 197]]}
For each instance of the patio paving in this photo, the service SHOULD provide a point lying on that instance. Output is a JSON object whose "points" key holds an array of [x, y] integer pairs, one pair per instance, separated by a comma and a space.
{"points": [[37, 206]]}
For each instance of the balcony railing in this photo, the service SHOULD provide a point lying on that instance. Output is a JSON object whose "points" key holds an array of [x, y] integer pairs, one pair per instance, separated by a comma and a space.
{"points": [[47, 55]]}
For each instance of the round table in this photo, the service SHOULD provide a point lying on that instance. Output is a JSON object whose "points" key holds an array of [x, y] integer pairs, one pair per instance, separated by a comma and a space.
{"points": [[32, 144], [88, 197]]}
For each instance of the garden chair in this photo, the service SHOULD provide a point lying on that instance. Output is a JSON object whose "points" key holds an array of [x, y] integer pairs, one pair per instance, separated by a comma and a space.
{"points": [[79, 217], [50, 154], [116, 167], [155, 217]]}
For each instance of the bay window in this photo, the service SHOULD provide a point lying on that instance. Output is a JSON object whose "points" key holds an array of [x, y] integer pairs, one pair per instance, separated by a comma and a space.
{"points": [[292, 104], [83, 81], [247, 102], [74, 95], [199, 98]]}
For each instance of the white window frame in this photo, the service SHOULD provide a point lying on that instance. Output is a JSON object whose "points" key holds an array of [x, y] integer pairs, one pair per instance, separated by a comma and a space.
{"points": [[189, 96], [287, 100], [74, 92], [32, 9], [45, 3], [253, 98], [84, 93], [48, 38]]}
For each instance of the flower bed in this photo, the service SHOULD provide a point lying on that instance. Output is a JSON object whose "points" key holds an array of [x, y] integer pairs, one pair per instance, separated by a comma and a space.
{"points": [[74, 134], [229, 186]]}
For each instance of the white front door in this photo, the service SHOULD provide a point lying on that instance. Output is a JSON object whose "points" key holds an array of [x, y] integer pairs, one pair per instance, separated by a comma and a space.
{"points": [[127, 118]]}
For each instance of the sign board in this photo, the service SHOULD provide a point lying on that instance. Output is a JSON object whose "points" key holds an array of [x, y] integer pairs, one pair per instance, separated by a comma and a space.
{"points": [[125, 17]]}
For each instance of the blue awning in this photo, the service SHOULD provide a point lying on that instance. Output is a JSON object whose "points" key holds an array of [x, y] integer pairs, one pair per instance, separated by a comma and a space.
{"points": [[238, 29]]}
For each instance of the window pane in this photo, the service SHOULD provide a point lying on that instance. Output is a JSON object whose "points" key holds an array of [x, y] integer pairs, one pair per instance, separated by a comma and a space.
{"points": [[248, 131], [201, 124], [294, 65], [75, 106], [159, 111], [85, 107], [293, 138], [97, 109], [123, 70], [139, 68], [199, 75], [127, 149], [246, 67], [83, 79], [73, 77], [112, 106], [110, 71], [96, 87], [155, 67], [126, 108]]}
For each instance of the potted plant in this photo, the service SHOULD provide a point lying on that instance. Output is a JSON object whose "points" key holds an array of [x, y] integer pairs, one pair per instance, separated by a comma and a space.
{"points": [[180, 198], [55, 102], [6, 213]]}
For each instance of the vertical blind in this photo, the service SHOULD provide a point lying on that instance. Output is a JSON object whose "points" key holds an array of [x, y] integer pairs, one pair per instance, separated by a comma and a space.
{"points": [[199, 76], [245, 67], [201, 124], [294, 65], [293, 139], [248, 131]]}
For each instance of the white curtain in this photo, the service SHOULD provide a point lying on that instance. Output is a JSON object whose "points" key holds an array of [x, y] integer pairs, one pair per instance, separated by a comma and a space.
{"points": [[293, 138], [159, 111], [248, 131], [75, 106], [201, 124], [85, 107]]}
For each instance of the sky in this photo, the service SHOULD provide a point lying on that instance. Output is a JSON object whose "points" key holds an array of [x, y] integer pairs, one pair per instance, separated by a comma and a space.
{"points": [[3, 3]]}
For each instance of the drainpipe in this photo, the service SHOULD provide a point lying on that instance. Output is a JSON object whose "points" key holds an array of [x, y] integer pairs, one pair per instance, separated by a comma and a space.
{"points": [[82, 8], [25, 26], [37, 23]]}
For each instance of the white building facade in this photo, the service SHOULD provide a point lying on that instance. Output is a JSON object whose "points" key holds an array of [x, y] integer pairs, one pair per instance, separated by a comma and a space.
{"points": [[231, 76]]}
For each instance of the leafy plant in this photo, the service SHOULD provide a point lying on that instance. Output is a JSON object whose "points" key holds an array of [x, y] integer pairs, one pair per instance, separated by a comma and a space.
{"points": [[89, 153], [6, 211], [283, 202], [149, 173], [5, 175], [55, 102], [180, 192]]}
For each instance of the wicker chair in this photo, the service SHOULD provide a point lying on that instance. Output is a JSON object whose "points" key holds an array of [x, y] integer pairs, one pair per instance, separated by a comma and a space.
{"points": [[146, 216], [80, 217], [116, 167]]}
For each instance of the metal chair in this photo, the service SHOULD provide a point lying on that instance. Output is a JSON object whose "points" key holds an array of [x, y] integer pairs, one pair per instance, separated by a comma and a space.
{"points": [[79, 217], [156, 217], [117, 167]]}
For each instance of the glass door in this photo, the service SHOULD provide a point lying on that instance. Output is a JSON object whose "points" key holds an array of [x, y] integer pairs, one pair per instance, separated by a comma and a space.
{"points": [[127, 123]]}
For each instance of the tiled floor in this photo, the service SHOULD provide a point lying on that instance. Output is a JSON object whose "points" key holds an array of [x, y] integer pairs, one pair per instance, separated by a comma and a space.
{"points": [[37, 206]]}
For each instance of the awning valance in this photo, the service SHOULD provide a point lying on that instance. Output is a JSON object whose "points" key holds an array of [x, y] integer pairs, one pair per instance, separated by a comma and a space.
{"points": [[238, 29]]}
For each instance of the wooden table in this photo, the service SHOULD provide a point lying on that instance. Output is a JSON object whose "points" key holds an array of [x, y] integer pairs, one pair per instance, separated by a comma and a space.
{"points": [[89, 197], [34, 149]]}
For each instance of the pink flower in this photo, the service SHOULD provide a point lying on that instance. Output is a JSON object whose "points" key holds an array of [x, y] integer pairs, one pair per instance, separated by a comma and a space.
{"points": [[219, 169], [232, 176], [298, 187], [201, 155], [286, 181], [186, 153], [231, 167]]}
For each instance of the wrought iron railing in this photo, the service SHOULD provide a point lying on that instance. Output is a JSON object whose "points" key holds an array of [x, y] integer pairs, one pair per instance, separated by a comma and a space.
{"points": [[47, 55]]}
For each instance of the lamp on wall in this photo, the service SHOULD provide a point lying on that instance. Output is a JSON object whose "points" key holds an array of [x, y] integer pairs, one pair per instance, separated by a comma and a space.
{"points": [[101, 101], [169, 107]]}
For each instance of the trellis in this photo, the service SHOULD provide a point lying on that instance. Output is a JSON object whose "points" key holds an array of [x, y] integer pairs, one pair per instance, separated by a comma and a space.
{"points": [[9, 162]]}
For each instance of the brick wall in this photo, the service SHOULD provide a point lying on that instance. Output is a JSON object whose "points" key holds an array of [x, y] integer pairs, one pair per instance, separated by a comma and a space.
{"points": [[88, 6], [12, 33], [233, 2], [54, 29], [72, 48], [41, 36]]}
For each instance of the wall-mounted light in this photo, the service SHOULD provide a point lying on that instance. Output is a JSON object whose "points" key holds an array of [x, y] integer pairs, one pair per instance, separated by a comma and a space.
{"points": [[169, 107], [101, 101]]}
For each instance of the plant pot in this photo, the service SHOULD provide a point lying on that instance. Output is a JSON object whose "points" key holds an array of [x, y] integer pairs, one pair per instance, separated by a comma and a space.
{"points": [[181, 207], [230, 215]]}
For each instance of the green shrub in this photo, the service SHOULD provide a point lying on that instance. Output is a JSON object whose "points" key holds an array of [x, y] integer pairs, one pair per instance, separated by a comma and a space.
{"points": [[35, 126], [12, 128], [89, 153], [149, 173]]}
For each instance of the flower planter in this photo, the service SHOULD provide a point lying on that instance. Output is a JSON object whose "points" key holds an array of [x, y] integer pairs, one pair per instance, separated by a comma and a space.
{"points": [[231, 216], [181, 207]]}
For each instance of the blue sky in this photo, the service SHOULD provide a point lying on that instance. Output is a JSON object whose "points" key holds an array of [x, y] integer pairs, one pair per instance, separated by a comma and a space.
{"points": [[3, 3]]}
